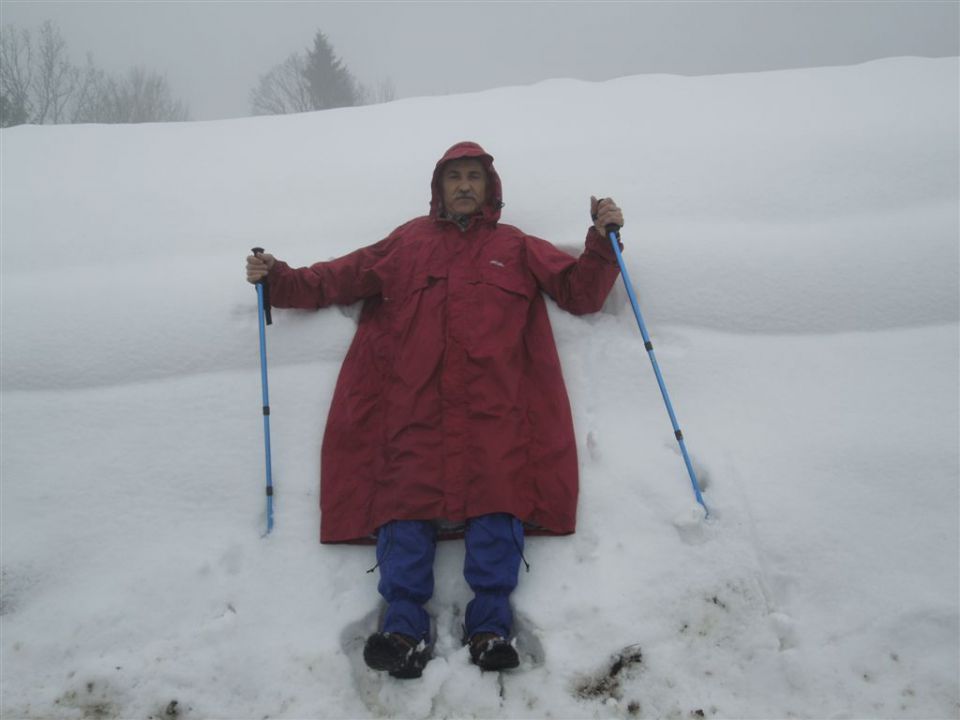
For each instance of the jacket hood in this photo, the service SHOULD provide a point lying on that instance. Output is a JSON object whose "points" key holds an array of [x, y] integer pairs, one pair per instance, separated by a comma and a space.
{"points": [[466, 149]]}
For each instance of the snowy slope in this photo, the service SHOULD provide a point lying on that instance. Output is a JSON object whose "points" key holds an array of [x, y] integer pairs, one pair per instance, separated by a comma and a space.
{"points": [[794, 239]]}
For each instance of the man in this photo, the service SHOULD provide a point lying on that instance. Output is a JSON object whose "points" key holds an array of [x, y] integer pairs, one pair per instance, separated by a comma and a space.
{"points": [[450, 416]]}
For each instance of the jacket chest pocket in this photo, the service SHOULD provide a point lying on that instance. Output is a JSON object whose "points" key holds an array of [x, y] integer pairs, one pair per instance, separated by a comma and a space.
{"points": [[507, 279], [498, 301]]}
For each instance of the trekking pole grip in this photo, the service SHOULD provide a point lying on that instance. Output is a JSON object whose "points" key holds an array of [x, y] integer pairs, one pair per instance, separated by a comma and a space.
{"points": [[264, 290]]}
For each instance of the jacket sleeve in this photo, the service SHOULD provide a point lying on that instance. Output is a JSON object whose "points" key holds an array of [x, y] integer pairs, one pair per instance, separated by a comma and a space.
{"points": [[578, 285], [342, 281]]}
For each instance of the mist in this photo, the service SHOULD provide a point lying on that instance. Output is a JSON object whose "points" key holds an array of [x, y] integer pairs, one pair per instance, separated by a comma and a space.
{"points": [[214, 53]]}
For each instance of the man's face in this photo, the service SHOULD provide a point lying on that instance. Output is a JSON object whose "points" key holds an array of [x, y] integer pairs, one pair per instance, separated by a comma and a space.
{"points": [[464, 185]]}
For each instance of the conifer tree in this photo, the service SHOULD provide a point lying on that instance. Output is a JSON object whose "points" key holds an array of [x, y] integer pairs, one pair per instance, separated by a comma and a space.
{"points": [[331, 85]]}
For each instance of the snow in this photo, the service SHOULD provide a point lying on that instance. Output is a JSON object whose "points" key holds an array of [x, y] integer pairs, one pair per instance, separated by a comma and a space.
{"points": [[793, 237]]}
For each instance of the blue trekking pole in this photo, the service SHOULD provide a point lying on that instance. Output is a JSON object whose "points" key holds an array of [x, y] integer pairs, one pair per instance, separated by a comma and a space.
{"points": [[613, 234], [263, 307]]}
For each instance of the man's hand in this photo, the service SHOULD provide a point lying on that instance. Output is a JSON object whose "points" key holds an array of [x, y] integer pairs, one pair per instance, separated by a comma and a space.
{"points": [[258, 266], [605, 212]]}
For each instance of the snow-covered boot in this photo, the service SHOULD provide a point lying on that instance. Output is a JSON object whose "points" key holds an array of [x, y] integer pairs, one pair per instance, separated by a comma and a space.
{"points": [[398, 654], [489, 651]]}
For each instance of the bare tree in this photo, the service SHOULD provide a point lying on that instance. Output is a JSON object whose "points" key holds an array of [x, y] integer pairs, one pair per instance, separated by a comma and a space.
{"points": [[16, 75], [145, 97], [55, 76], [385, 92], [284, 89], [89, 93], [140, 96], [39, 84]]}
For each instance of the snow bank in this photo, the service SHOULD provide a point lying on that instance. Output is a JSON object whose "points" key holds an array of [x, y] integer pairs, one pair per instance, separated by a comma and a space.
{"points": [[795, 201]]}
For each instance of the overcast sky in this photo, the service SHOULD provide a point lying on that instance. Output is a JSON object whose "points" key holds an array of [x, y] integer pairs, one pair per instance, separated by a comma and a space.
{"points": [[213, 52]]}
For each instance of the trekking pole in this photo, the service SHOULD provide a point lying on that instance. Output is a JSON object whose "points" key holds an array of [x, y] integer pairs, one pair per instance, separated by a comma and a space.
{"points": [[613, 234], [263, 307]]}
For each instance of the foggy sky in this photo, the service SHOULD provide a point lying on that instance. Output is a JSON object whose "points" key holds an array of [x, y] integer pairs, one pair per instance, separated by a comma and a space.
{"points": [[214, 52]]}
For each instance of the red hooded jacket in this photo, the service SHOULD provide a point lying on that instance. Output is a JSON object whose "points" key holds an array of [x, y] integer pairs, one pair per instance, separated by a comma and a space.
{"points": [[450, 403]]}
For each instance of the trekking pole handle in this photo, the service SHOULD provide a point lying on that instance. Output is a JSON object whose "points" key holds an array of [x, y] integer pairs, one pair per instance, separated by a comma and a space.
{"points": [[265, 296], [258, 251]]}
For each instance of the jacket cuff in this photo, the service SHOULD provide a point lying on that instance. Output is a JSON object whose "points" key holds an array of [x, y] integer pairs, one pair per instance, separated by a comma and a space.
{"points": [[600, 245], [279, 268]]}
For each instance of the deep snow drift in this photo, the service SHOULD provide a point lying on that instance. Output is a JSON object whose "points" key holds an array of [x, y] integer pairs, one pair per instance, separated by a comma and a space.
{"points": [[794, 240]]}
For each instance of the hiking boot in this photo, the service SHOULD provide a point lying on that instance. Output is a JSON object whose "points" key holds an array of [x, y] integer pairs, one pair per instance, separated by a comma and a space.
{"points": [[490, 651], [398, 654]]}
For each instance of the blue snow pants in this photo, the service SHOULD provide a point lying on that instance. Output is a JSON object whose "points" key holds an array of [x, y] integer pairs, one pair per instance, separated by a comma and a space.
{"points": [[405, 553]]}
